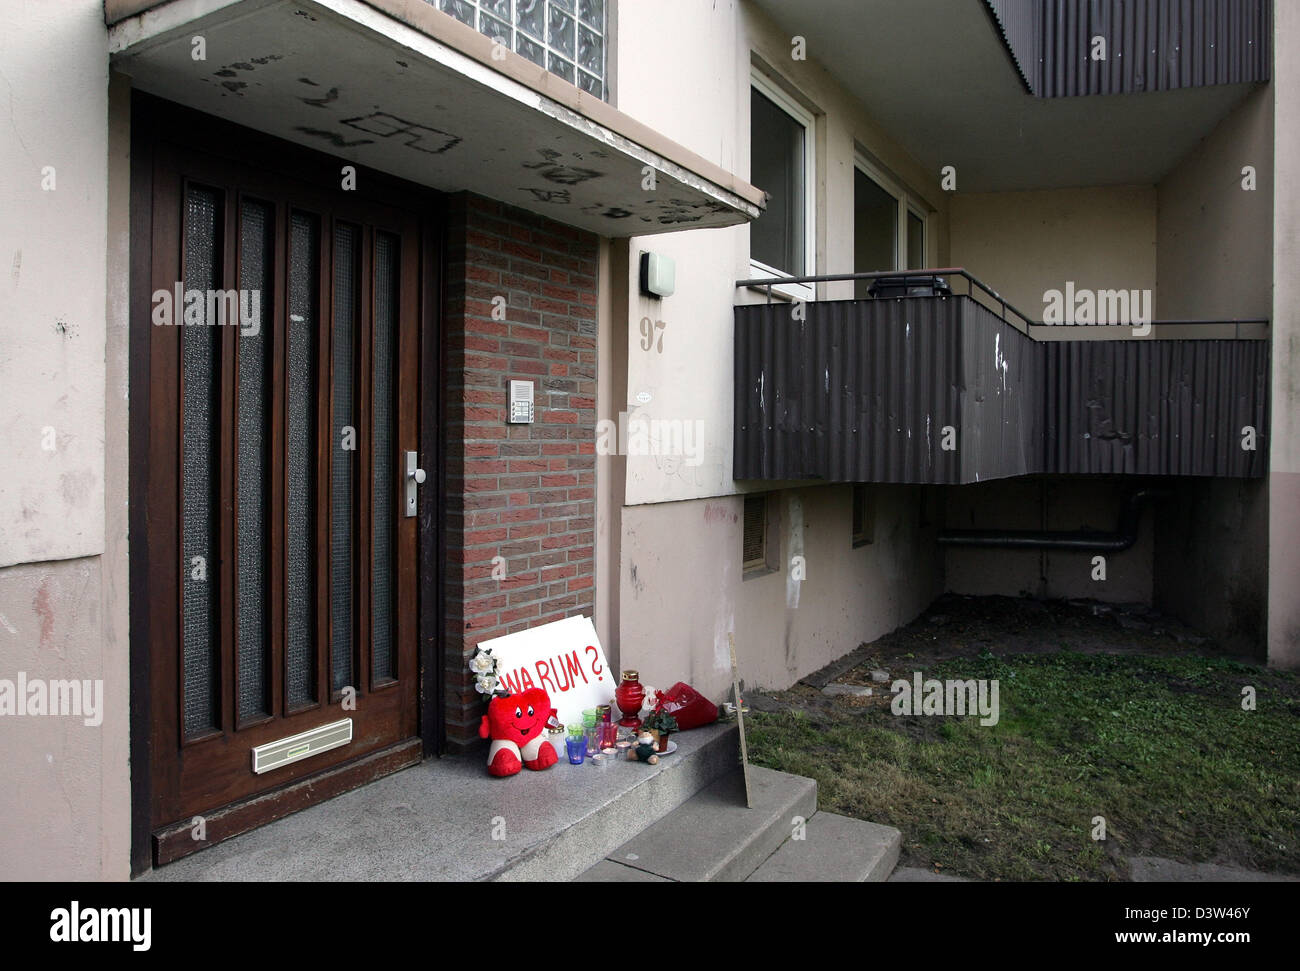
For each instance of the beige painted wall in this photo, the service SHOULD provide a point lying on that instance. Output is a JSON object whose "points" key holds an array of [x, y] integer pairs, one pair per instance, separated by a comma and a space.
{"points": [[674, 74], [1284, 456], [1211, 563], [1215, 259], [1023, 244], [679, 588], [1215, 245], [65, 804], [52, 289], [1056, 504], [682, 590]]}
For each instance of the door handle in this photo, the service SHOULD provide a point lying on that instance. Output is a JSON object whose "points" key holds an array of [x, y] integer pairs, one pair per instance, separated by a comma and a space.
{"points": [[415, 476]]}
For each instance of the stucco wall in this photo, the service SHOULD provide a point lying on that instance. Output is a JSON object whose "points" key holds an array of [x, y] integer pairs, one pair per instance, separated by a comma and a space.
{"points": [[684, 68], [63, 360], [1211, 568], [54, 195], [1023, 244], [1215, 244], [681, 597], [1055, 504], [1215, 259], [1284, 480]]}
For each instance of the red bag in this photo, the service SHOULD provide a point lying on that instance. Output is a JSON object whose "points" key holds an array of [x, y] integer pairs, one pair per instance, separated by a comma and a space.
{"points": [[688, 706]]}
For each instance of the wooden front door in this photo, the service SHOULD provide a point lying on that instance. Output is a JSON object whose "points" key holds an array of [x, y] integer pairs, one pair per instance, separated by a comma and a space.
{"points": [[283, 374]]}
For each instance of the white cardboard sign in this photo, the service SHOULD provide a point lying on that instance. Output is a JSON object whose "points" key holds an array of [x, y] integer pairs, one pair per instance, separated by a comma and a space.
{"points": [[564, 658]]}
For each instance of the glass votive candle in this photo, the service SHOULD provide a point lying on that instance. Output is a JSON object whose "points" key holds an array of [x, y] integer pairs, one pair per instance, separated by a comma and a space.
{"points": [[576, 744], [608, 735], [622, 747]]}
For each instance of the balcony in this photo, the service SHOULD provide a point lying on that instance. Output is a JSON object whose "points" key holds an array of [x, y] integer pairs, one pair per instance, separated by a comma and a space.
{"points": [[962, 388]]}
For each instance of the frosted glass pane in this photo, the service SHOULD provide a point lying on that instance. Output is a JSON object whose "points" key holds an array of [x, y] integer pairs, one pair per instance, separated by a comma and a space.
{"points": [[200, 564], [300, 650], [384, 456], [593, 12], [530, 16], [255, 255], [462, 10], [559, 66], [343, 507], [591, 51]]}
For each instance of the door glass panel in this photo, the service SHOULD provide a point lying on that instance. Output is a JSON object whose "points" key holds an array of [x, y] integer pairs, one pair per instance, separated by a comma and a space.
{"points": [[347, 279], [776, 238], [300, 599], [200, 362], [384, 458], [256, 223], [875, 230], [915, 242]]}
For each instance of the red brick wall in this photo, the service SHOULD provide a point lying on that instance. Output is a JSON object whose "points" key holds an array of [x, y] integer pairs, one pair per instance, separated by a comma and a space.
{"points": [[522, 492]]}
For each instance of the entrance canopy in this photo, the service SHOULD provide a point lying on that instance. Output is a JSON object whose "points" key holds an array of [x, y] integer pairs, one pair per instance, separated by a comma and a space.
{"points": [[401, 87]]}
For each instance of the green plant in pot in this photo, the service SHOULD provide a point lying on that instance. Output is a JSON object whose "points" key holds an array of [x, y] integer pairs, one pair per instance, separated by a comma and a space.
{"points": [[661, 725]]}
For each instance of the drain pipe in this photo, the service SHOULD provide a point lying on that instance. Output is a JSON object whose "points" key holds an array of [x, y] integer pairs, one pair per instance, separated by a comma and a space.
{"points": [[1083, 540]]}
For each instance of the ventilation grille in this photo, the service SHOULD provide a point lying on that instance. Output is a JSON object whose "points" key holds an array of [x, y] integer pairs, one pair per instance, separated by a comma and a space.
{"points": [[755, 541], [295, 748]]}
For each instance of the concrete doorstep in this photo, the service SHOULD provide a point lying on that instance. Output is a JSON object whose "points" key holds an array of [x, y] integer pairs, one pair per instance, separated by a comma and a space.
{"points": [[447, 819], [713, 837]]}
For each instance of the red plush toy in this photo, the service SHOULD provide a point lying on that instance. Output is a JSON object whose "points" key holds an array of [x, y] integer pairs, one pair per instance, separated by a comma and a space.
{"points": [[517, 725]]}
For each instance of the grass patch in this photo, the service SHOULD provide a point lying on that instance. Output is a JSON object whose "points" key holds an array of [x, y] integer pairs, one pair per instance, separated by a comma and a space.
{"points": [[1159, 746]]}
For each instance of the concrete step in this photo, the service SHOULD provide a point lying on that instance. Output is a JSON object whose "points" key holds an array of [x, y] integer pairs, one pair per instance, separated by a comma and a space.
{"points": [[835, 849], [598, 810], [712, 836], [448, 819]]}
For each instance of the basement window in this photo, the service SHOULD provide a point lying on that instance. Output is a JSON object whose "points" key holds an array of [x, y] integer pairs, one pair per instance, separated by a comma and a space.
{"points": [[759, 553], [567, 37], [782, 164], [864, 517]]}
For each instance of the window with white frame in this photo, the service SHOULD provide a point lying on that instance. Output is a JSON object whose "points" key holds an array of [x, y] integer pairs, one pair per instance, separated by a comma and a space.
{"points": [[567, 37], [888, 225], [782, 241]]}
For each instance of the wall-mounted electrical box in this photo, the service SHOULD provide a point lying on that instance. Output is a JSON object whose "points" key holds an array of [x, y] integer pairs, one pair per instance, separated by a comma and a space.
{"points": [[521, 402], [658, 275]]}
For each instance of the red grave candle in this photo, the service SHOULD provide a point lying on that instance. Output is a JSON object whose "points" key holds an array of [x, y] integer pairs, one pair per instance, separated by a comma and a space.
{"points": [[629, 697]]}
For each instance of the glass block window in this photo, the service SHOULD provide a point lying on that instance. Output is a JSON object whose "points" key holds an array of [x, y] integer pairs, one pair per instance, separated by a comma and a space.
{"points": [[567, 37]]}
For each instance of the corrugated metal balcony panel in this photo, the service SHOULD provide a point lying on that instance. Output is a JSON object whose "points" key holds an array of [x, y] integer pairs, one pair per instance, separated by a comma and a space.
{"points": [[856, 392], [860, 391], [1156, 407], [1152, 45], [1001, 430], [1020, 22]]}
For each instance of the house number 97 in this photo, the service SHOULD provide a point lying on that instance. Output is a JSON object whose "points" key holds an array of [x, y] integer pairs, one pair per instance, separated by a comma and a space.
{"points": [[648, 329]]}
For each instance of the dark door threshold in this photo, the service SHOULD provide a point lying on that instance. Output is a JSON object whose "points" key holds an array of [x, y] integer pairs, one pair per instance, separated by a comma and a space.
{"points": [[178, 840]]}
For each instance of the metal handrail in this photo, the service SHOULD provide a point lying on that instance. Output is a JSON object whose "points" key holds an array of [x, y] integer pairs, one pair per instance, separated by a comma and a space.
{"points": [[972, 282]]}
